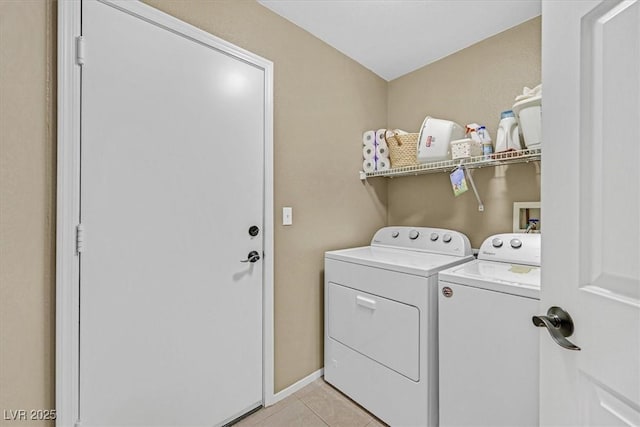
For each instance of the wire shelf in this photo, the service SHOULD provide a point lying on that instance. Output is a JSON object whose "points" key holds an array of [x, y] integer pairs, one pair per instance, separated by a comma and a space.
{"points": [[497, 159]]}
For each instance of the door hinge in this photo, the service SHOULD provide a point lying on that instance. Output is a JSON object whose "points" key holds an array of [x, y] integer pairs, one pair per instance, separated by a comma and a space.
{"points": [[80, 50], [79, 238]]}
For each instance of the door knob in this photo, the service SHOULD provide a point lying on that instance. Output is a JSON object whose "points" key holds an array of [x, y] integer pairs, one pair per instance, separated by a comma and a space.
{"points": [[559, 324], [252, 257]]}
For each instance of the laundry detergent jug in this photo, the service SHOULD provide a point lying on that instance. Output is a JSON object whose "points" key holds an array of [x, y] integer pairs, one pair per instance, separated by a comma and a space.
{"points": [[507, 137]]}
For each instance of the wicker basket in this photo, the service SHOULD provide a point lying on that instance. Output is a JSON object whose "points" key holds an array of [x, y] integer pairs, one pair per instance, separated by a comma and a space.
{"points": [[402, 148]]}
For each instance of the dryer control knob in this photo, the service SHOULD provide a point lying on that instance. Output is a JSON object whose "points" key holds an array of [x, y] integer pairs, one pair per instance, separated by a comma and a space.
{"points": [[516, 243], [413, 234], [395, 234], [497, 243], [434, 237], [446, 238]]}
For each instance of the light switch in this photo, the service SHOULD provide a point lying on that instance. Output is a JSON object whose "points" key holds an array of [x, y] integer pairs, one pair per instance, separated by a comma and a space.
{"points": [[287, 215]]}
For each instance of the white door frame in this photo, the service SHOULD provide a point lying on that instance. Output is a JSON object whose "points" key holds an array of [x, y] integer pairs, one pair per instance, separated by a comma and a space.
{"points": [[68, 195]]}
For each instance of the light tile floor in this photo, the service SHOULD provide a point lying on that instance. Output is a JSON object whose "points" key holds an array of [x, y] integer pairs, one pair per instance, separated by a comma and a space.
{"points": [[317, 404]]}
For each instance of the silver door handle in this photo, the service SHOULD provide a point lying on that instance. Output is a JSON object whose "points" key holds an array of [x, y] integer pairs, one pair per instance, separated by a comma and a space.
{"points": [[252, 257], [559, 324]]}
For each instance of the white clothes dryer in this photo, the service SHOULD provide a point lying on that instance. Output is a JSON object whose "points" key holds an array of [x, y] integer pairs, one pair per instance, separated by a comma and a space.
{"points": [[381, 320], [488, 362]]}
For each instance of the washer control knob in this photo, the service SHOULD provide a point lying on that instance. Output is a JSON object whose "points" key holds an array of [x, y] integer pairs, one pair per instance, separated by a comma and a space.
{"points": [[413, 234], [497, 243], [434, 237], [516, 243], [446, 238], [395, 234]]}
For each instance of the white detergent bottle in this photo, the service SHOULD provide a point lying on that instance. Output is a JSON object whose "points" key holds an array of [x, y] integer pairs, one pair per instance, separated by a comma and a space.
{"points": [[507, 137]]}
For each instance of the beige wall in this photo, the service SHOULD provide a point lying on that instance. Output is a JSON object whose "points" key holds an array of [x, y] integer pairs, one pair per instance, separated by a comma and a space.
{"points": [[27, 206], [472, 85]]}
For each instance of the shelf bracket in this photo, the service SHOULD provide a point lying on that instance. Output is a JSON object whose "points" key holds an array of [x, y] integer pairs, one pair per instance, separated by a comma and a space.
{"points": [[473, 187], [363, 176]]}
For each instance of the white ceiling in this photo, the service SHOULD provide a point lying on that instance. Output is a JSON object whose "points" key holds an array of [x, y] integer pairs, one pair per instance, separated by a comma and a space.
{"points": [[394, 37]]}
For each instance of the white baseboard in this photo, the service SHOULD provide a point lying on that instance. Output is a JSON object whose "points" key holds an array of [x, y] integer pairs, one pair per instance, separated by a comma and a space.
{"points": [[295, 387]]}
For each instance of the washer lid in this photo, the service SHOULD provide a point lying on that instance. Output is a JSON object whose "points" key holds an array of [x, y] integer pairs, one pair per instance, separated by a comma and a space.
{"points": [[516, 279], [401, 260]]}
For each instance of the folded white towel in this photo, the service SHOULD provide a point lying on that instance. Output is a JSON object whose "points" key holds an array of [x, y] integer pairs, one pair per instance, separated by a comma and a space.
{"points": [[530, 93]]}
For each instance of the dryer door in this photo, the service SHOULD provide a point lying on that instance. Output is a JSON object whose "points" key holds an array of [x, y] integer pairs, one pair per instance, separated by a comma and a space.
{"points": [[384, 330]]}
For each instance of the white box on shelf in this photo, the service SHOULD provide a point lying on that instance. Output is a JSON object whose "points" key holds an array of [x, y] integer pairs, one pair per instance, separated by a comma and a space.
{"points": [[465, 148]]}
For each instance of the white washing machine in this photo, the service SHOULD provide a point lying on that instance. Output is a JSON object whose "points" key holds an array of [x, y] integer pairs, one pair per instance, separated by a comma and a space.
{"points": [[381, 320], [488, 346]]}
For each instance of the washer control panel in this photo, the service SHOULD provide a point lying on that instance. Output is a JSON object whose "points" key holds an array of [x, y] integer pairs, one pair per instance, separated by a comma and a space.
{"points": [[425, 239], [516, 248]]}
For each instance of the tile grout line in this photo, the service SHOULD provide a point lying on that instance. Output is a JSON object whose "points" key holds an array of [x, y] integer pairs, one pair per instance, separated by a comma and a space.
{"points": [[327, 397], [350, 402], [340, 397], [315, 413], [291, 397], [311, 409], [294, 397]]}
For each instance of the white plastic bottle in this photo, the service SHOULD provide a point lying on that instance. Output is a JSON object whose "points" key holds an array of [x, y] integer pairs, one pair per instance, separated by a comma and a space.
{"points": [[507, 137], [485, 139]]}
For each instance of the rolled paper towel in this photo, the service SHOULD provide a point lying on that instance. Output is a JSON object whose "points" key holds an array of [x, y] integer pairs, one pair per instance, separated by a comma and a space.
{"points": [[369, 165], [383, 164], [382, 151], [380, 136], [368, 152], [369, 137]]}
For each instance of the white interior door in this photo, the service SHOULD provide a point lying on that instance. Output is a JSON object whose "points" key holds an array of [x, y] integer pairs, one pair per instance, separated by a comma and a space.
{"points": [[173, 131], [591, 196]]}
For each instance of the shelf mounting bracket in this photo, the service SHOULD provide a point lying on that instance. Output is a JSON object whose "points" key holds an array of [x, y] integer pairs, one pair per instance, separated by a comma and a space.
{"points": [[473, 187]]}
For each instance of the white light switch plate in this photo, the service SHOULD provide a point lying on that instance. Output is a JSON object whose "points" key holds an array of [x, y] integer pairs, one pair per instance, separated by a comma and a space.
{"points": [[287, 216]]}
